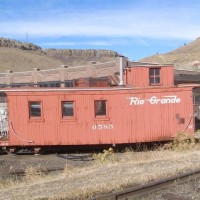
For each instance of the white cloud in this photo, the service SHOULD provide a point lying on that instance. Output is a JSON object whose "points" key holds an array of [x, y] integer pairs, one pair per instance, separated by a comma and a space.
{"points": [[91, 43], [163, 23], [151, 30]]}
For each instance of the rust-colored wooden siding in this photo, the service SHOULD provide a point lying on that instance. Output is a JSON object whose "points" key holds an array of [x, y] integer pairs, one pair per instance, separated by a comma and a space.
{"points": [[138, 76], [126, 121]]}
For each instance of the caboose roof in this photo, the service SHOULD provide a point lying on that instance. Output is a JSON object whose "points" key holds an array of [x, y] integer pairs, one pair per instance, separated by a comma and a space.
{"points": [[147, 64], [117, 88]]}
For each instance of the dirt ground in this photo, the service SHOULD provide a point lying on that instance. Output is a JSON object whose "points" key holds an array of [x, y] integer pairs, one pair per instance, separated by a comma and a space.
{"points": [[86, 179], [13, 164]]}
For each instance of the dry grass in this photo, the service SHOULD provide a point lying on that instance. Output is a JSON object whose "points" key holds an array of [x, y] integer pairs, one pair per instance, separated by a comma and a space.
{"points": [[22, 60], [183, 141], [9, 182], [183, 57], [106, 156], [33, 173], [132, 168]]}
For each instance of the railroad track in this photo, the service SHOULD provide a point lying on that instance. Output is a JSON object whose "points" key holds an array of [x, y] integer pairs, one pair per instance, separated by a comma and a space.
{"points": [[138, 191]]}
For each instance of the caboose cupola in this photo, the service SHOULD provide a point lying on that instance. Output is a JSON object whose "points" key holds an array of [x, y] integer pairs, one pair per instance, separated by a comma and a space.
{"points": [[138, 74]]}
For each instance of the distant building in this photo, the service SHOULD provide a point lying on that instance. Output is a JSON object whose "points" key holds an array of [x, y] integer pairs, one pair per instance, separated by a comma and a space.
{"points": [[94, 75]]}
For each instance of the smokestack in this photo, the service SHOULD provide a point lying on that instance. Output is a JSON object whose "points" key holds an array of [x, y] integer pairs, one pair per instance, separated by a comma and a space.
{"points": [[121, 72]]}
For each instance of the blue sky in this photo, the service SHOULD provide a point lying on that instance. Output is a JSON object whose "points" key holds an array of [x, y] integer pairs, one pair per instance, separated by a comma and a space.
{"points": [[134, 28]]}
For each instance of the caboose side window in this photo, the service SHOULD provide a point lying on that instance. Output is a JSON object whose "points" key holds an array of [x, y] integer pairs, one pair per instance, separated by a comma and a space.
{"points": [[154, 76], [34, 109], [67, 109], [100, 108]]}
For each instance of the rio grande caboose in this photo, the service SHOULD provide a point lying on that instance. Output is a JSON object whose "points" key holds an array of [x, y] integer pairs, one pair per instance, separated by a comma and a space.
{"points": [[145, 107]]}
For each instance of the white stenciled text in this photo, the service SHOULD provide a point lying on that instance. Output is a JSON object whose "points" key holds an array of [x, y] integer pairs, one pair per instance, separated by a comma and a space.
{"points": [[102, 126], [155, 100]]}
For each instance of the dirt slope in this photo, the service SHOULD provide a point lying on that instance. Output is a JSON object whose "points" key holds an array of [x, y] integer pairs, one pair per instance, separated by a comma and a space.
{"points": [[21, 60], [187, 56], [19, 56]]}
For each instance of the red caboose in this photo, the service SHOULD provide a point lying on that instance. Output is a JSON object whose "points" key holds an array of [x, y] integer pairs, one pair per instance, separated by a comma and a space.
{"points": [[146, 107]]}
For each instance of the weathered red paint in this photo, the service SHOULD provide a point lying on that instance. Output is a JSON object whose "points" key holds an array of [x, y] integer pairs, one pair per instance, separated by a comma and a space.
{"points": [[141, 113], [138, 76]]}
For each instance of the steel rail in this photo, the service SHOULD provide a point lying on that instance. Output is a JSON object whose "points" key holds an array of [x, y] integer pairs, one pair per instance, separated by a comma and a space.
{"points": [[137, 191]]}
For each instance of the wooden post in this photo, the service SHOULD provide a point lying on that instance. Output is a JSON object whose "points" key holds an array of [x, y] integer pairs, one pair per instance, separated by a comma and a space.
{"points": [[8, 78], [35, 76], [62, 75]]}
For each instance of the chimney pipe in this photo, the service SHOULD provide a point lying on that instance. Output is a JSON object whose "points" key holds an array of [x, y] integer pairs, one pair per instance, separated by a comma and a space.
{"points": [[121, 74]]}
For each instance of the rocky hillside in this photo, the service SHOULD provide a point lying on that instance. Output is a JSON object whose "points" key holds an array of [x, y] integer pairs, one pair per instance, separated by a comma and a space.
{"points": [[74, 57], [17, 44], [19, 56], [186, 57]]}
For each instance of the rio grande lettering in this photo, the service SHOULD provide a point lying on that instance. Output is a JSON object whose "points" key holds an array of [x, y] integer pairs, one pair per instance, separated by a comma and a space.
{"points": [[154, 100]]}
